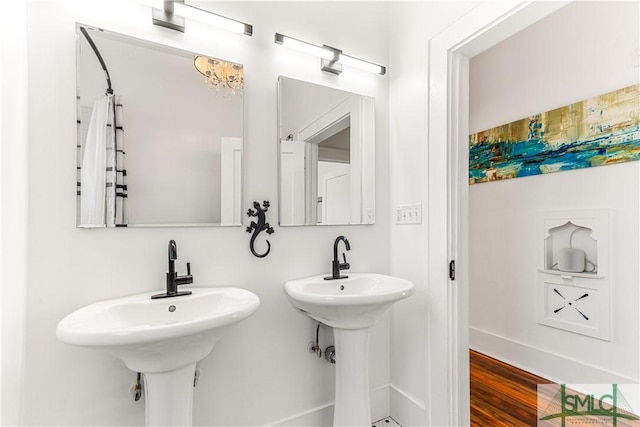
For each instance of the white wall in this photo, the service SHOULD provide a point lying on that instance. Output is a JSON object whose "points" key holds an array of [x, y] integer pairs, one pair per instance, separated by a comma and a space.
{"points": [[13, 209], [412, 25], [582, 50], [261, 372]]}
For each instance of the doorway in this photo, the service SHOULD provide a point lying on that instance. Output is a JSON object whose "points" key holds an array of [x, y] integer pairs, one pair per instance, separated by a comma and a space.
{"points": [[448, 124], [508, 244]]}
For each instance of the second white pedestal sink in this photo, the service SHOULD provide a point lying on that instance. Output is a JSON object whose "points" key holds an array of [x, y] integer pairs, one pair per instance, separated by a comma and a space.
{"points": [[161, 338], [351, 306]]}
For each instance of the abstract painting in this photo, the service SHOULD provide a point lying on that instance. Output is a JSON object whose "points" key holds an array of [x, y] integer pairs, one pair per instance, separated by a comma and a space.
{"points": [[598, 131]]}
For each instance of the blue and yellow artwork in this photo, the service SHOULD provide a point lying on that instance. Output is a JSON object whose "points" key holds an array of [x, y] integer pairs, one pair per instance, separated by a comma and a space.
{"points": [[599, 131]]}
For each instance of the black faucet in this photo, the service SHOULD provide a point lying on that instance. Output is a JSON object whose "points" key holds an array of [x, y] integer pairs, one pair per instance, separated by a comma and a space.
{"points": [[173, 280], [336, 265]]}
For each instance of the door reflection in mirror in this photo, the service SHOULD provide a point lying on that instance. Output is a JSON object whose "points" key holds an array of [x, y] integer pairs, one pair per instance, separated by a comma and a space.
{"points": [[327, 155]]}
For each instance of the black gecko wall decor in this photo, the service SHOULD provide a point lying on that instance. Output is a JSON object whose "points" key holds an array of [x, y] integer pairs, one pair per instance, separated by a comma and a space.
{"points": [[260, 226]]}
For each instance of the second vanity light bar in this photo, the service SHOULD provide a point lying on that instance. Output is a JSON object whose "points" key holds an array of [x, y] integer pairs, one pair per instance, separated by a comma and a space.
{"points": [[332, 58]]}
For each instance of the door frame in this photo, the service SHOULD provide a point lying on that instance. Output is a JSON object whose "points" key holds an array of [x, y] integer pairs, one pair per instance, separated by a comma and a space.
{"points": [[360, 111], [448, 54], [231, 180]]}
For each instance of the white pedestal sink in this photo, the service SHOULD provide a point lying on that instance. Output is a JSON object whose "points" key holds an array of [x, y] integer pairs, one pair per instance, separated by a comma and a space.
{"points": [[161, 338], [351, 306]]}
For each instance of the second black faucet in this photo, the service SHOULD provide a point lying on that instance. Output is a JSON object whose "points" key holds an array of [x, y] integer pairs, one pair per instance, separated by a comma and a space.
{"points": [[336, 265]]}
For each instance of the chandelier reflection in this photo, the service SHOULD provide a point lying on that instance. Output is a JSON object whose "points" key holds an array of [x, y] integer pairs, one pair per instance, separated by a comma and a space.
{"points": [[223, 76]]}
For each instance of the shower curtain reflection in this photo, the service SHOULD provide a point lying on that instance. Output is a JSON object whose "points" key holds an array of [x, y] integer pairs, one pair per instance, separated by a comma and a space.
{"points": [[102, 187]]}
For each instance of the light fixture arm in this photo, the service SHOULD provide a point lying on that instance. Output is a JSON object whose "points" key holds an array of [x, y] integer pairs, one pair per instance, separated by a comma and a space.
{"points": [[168, 5], [331, 65], [165, 17], [173, 15]]}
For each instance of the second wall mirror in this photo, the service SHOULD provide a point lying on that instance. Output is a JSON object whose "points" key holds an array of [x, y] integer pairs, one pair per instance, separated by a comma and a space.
{"points": [[326, 155]]}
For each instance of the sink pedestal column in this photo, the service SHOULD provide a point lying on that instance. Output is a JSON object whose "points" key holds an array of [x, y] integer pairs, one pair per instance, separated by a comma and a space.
{"points": [[352, 406], [169, 397]]}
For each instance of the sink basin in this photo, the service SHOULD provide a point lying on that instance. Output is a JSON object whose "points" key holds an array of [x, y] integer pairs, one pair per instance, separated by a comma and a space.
{"points": [[153, 335], [351, 306], [161, 338], [351, 303]]}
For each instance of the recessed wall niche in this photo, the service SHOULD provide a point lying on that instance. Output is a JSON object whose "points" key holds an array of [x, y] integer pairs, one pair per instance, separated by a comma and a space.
{"points": [[571, 248], [573, 279]]}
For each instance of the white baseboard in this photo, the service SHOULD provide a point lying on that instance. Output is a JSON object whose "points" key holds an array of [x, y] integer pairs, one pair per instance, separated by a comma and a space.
{"points": [[406, 410], [322, 416], [543, 363]]}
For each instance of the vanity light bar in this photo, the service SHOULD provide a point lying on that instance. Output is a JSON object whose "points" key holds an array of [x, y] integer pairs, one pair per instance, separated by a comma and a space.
{"points": [[362, 64], [304, 47], [332, 58], [173, 13]]}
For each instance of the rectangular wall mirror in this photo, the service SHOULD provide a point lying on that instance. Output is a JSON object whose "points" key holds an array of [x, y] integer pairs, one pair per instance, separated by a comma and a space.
{"points": [[159, 134], [326, 155]]}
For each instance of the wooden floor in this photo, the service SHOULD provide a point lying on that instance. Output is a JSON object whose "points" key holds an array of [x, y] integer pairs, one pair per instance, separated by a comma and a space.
{"points": [[502, 395]]}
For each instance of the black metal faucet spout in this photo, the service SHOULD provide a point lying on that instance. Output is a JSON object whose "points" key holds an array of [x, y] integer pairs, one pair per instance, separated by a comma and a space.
{"points": [[173, 280], [336, 265], [172, 255]]}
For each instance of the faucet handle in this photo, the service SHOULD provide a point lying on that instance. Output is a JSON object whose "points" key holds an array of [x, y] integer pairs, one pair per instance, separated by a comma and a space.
{"points": [[188, 269], [345, 265]]}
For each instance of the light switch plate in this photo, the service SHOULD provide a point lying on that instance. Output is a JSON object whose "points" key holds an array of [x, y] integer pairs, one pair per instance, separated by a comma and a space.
{"points": [[408, 214], [371, 216]]}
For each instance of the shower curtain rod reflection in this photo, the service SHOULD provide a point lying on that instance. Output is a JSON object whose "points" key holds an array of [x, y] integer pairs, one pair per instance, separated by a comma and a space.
{"points": [[103, 191], [109, 90]]}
